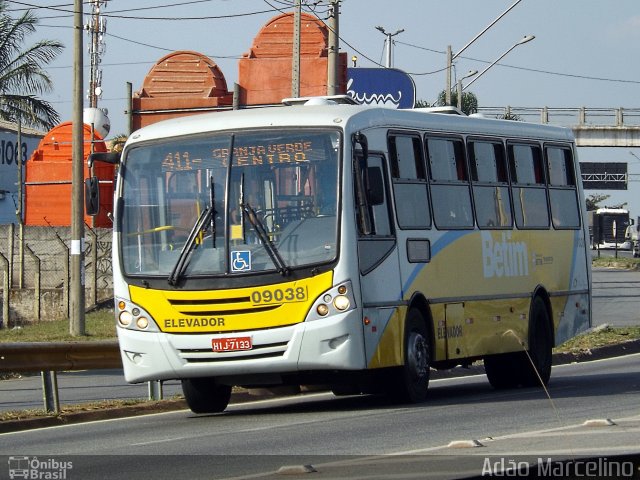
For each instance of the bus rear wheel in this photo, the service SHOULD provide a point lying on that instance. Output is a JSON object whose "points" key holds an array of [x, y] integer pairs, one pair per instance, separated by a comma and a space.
{"points": [[531, 368], [204, 395], [538, 366], [504, 370]]}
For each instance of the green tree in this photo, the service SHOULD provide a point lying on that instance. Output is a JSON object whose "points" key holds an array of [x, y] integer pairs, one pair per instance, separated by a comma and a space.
{"points": [[423, 104], [22, 77], [593, 201], [510, 116], [469, 101]]}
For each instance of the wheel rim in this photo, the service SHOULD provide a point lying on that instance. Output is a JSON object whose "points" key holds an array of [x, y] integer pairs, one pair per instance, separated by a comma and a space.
{"points": [[417, 356]]}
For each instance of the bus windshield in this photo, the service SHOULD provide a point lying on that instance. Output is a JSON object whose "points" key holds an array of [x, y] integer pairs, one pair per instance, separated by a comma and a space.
{"points": [[220, 204]]}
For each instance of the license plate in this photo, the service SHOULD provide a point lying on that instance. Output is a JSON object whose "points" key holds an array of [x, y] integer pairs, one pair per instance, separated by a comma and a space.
{"points": [[231, 344]]}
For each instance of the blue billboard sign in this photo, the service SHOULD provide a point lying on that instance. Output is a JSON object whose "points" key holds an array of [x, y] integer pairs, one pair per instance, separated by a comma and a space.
{"points": [[9, 167], [387, 87]]}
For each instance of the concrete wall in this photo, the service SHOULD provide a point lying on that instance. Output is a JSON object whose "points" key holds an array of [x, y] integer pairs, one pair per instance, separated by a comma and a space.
{"points": [[39, 282]]}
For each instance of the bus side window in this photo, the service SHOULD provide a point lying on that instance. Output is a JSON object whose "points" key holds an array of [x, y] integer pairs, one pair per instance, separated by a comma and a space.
{"points": [[449, 183], [378, 214], [528, 186], [405, 152], [409, 181], [562, 187], [490, 184]]}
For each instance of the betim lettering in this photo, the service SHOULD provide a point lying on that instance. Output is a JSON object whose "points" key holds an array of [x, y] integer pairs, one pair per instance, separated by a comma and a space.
{"points": [[504, 258]]}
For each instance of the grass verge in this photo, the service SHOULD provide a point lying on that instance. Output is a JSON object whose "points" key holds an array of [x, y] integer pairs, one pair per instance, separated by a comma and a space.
{"points": [[620, 262], [70, 409], [99, 325], [599, 337]]}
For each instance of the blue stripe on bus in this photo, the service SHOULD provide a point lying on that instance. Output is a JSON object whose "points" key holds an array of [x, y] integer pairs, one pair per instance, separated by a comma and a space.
{"points": [[443, 242]]}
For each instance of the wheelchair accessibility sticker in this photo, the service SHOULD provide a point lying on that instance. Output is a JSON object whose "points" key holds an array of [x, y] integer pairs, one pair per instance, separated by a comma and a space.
{"points": [[240, 261]]}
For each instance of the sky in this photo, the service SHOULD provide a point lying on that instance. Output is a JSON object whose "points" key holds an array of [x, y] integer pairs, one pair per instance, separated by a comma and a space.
{"points": [[585, 52]]}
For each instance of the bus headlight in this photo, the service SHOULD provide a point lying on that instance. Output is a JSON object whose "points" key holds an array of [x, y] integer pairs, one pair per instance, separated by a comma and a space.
{"points": [[142, 323], [336, 300], [341, 302], [133, 317], [125, 318]]}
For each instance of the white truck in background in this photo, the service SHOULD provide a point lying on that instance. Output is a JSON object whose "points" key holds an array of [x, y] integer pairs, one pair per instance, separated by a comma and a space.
{"points": [[611, 228]]}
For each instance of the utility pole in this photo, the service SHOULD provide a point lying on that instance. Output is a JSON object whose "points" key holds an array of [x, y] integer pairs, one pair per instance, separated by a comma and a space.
{"points": [[77, 308], [447, 88], [334, 47], [20, 210], [295, 59], [97, 27]]}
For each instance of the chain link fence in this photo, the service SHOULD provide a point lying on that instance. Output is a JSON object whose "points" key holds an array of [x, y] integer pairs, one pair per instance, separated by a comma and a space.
{"points": [[36, 272]]}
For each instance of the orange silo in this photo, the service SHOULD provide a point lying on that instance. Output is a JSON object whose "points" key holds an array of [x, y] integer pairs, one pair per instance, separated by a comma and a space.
{"points": [[48, 175]]}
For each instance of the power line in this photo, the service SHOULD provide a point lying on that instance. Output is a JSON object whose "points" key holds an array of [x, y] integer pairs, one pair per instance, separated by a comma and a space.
{"points": [[163, 48], [134, 17], [59, 6], [547, 72], [310, 7], [136, 43]]}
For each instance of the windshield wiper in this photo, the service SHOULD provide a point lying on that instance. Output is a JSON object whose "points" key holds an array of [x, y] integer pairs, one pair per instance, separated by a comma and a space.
{"points": [[214, 212], [189, 246], [269, 246]]}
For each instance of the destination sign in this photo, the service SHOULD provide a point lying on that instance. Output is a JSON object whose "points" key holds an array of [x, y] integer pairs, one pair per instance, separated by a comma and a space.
{"points": [[198, 156]]}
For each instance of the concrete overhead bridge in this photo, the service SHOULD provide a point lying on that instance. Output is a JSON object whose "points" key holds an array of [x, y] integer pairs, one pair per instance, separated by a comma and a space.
{"points": [[592, 127]]}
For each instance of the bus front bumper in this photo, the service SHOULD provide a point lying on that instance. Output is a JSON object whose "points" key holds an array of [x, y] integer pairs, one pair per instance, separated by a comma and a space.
{"points": [[334, 343]]}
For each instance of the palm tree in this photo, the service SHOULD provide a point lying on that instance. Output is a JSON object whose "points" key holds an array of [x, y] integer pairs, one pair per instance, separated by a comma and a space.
{"points": [[22, 77]]}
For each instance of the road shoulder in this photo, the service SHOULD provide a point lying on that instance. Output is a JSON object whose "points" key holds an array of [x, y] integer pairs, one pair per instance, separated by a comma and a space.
{"points": [[21, 424]]}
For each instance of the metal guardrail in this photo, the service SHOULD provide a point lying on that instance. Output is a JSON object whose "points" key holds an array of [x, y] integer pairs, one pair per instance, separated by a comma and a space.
{"points": [[568, 117], [51, 357], [59, 356]]}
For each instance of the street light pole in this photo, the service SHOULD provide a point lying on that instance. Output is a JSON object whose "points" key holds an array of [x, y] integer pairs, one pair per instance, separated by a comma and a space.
{"points": [[470, 73], [388, 42], [526, 39], [451, 58]]}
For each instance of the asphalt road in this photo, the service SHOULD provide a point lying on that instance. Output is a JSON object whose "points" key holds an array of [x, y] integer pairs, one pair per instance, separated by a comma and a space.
{"points": [[616, 297], [464, 423]]}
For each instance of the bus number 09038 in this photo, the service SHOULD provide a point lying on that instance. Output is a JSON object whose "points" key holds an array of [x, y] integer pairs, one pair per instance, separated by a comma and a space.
{"points": [[291, 294]]}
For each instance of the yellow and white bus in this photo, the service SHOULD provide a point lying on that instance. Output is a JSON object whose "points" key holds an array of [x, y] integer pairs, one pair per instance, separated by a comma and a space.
{"points": [[350, 246]]}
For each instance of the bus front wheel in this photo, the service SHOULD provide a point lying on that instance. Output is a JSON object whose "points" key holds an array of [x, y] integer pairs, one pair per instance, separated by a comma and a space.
{"points": [[204, 395], [411, 381]]}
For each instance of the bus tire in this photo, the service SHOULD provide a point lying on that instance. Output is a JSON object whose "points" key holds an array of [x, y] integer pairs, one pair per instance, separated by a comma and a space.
{"points": [[527, 369], [538, 365], [345, 390], [504, 370], [411, 381], [204, 395]]}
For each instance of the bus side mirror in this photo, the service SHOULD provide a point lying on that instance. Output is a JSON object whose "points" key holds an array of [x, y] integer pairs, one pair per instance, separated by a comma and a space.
{"points": [[361, 139], [375, 186], [106, 157], [92, 196]]}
